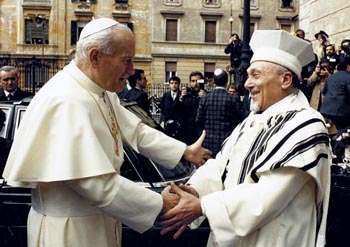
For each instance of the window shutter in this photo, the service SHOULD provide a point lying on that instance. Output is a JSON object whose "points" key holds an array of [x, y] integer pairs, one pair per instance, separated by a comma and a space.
{"points": [[73, 32], [210, 31], [171, 30]]}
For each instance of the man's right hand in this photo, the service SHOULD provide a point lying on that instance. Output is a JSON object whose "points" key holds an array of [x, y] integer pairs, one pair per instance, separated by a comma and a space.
{"points": [[196, 154]]}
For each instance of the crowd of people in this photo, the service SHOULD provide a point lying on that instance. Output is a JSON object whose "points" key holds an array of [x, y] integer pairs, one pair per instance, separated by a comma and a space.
{"points": [[326, 84], [263, 162]]}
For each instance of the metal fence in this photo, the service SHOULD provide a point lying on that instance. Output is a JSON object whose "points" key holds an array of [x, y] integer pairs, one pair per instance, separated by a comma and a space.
{"points": [[155, 93], [33, 72]]}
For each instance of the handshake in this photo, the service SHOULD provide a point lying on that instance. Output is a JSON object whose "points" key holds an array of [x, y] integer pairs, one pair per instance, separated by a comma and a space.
{"points": [[181, 206]]}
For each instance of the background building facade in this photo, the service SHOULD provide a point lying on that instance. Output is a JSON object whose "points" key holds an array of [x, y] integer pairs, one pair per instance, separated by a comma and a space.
{"points": [[172, 36], [329, 16]]}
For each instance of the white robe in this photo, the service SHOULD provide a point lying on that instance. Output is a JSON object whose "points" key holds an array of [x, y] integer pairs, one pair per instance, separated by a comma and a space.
{"points": [[276, 180], [64, 150]]}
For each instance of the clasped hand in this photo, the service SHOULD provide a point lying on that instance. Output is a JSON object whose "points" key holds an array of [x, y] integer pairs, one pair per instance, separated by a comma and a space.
{"points": [[181, 206]]}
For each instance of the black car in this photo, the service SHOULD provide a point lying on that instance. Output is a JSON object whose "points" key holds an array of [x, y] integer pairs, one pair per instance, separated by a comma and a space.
{"points": [[15, 202]]}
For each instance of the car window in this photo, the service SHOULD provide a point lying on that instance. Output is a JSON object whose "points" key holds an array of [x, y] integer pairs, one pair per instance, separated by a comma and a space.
{"points": [[140, 113], [6, 130]]}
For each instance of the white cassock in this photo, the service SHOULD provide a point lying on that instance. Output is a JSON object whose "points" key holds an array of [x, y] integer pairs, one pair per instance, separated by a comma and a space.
{"points": [[269, 186], [65, 151]]}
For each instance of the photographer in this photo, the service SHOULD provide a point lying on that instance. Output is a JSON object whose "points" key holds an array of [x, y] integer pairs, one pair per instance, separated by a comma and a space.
{"points": [[315, 85], [190, 100], [234, 47], [316, 82], [345, 50]]}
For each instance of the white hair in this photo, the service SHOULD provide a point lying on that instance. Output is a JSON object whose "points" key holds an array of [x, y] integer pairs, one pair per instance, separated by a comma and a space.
{"points": [[101, 40]]}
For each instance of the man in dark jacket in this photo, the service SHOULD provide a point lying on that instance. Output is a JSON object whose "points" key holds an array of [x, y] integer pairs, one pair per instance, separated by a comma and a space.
{"points": [[190, 100], [336, 105], [336, 101], [234, 48], [218, 113], [138, 82], [9, 85], [171, 109]]}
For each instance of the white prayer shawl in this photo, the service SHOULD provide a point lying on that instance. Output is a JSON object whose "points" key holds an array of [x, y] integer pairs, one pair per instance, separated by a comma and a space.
{"points": [[63, 137], [264, 200]]}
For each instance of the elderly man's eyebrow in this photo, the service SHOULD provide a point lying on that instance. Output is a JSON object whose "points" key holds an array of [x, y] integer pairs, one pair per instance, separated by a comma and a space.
{"points": [[253, 70]]}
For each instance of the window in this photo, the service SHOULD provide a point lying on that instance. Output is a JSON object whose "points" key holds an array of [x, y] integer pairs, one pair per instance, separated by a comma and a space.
{"points": [[210, 31], [83, 1], [170, 70], [171, 30], [286, 4], [36, 1], [75, 29], [209, 69], [251, 29], [172, 1], [286, 27], [121, 1], [36, 32], [212, 2]]}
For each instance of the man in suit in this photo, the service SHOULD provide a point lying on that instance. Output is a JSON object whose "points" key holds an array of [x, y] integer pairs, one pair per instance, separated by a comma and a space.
{"points": [[171, 108], [9, 84], [336, 101], [138, 82], [218, 113], [190, 100], [336, 104]]}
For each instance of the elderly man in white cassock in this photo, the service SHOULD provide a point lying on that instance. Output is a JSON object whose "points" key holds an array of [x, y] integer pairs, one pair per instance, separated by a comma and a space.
{"points": [[69, 149], [269, 185]]}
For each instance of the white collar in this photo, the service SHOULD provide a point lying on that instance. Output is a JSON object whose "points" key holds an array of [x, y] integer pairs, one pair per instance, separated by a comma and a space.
{"points": [[83, 79], [12, 93]]}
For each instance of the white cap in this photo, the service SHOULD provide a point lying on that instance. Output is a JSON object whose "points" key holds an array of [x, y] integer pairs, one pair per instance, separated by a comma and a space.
{"points": [[280, 47], [218, 71], [96, 25]]}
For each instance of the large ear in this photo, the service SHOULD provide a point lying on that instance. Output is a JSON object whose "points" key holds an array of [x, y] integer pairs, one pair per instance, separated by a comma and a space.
{"points": [[94, 56], [287, 80]]}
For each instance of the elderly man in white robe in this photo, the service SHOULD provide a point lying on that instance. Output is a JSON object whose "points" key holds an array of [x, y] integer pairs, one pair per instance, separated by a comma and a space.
{"points": [[68, 148], [269, 185]]}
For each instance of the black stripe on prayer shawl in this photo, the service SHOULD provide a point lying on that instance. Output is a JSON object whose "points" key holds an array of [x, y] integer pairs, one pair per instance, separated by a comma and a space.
{"points": [[259, 145], [312, 142], [241, 126], [302, 147]]}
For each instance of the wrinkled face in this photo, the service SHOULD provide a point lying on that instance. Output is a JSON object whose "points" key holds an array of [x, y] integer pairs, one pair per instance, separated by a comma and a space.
{"points": [[113, 69], [194, 83], [9, 80], [174, 85], [264, 85]]}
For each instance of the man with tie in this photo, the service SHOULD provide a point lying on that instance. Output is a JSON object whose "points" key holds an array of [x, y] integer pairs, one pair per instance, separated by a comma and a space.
{"points": [[138, 83], [9, 90], [171, 108]]}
